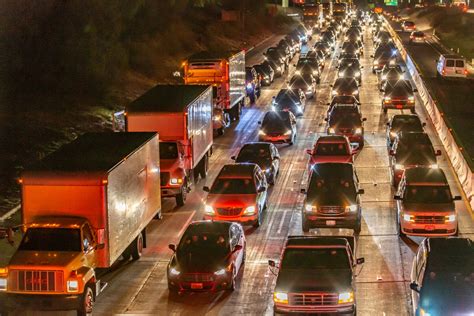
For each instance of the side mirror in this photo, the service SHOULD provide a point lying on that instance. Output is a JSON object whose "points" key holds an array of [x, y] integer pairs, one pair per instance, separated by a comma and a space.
{"points": [[99, 246], [303, 191], [271, 263], [361, 191], [261, 189], [414, 287], [233, 157], [328, 103], [259, 122], [438, 152], [206, 188], [397, 197], [361, 67], [360, 260], [294, 65], [364, 119], [172, 247], [388, 124], [309, 151], [237, 248], [457, 198], [415, 90]]}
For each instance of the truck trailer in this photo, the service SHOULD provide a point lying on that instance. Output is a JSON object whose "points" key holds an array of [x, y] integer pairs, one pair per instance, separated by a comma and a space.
{"points": [[225, 71], [182, 115], [83, 207]]}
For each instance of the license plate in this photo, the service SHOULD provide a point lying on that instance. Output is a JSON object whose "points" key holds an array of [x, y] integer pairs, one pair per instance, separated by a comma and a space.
{"points": [[196, 286], [330, 223], [459, 71], [429, 227], [399, 106]]}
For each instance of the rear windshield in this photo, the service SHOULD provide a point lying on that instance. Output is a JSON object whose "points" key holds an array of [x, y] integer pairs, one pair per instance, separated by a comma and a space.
{"points": [[51, 239], [326, 149], [315, 259], [409, 23], [251, 152], [233, 186], [428, 194], [412, 122], [459, 63], [168, 150], [450, 63], [204, 244]]}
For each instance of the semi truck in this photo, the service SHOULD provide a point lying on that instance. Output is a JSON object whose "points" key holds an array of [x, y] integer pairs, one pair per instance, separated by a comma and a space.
{"points": [[182, 115], [225, 71], [83, 207]]}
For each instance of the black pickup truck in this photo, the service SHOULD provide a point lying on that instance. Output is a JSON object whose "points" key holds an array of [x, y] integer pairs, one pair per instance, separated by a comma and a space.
{"points": [[316, 275]]}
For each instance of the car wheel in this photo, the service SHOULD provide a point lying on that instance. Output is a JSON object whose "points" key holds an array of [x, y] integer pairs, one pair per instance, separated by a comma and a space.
{"points": [[305, 226], [413, 111], [400, 231], [87, 302], [204, 167], [257, 223], [220, 131]]}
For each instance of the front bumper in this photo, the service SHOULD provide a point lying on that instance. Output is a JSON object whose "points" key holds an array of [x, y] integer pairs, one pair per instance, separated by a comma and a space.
{"points": [[345, 220], [21, 302], [434, 230], [305, 309], [217, 283], [244, 220], [170, 191]]}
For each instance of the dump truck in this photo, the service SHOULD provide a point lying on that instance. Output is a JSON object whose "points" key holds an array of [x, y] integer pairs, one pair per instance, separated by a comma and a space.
{"points": [[182, 115], [225, 71], [83, 207]]}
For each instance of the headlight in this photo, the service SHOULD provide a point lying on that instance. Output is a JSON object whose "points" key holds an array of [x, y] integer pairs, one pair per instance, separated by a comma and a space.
{"points": [[173, 271], [434, 166], [376, 62], [249, 86], [393, 134], [315, 72], [297, 72], [220, 272], [288, 132], [334, 92], [411, 98], [399, 167], [346, 297], [273, 108], [424, 313], [351, 208], [72, 285], [278, 68], [267, 77], [176, 181], [392, 62], [3, 284], [357, 74], [310, 208], [209, 210], [217, 118], [341, 74], [250, 210], [387, 98], [280, 297], [355, 92], [450, 218], [331, 130], [260, 132], [408, 218], [358, 130], [384, 77]]}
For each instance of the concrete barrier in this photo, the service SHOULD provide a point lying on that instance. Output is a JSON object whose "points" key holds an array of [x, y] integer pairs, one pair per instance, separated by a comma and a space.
{"points": [[463, 172]]}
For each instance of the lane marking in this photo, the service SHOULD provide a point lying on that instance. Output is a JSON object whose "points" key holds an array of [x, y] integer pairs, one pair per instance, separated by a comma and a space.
{"points": [[181, 232]]}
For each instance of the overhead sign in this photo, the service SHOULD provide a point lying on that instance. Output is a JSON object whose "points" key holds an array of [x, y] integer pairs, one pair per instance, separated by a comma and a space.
{"points": [[393, 3]]}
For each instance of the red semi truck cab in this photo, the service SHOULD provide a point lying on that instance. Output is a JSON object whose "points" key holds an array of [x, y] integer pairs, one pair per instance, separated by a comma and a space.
{"points": [[225, 71], [182, 115]]}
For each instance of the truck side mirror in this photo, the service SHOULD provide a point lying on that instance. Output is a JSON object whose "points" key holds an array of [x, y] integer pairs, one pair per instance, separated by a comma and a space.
{"points": [[438, 152], [364, 119], [99, 246], [271, 263], [388, 124], [414, 287], [309, 151], [457, 198], [261, 189], [232, 157], [360, 260], [303, 191], [361, 191], [259, 122], [172, 247], [206, 188], [397, 197]]}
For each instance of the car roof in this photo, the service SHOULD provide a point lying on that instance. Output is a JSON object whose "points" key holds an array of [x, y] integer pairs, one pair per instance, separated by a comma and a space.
{"points": [[425, 176], [237, 170], [405, 117], [209, 226], [443, 248], [316, 241], [332, 169]]}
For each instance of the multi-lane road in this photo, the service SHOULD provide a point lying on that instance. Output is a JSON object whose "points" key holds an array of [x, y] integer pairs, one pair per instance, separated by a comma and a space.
{"points": [[140, 287]]}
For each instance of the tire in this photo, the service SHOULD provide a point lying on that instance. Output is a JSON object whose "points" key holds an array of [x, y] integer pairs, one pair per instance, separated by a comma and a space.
{"points": [[358, 227], [87, 302], [220, 131], [257, 222], [373, 71], [457, 231], [232, 281], [252, 98], [400, 231], [136, 249], [204, 167], [126, 255], [273, 178], [181, 197], [305, 226], [385, 110], [413, 111]]}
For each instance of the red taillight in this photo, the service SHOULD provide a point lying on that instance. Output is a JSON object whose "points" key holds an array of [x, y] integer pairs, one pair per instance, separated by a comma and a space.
{"points": [[465, 72]]}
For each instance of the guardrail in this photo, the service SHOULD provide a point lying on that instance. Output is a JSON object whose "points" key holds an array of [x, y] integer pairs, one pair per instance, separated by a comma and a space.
{"points": [[453, 151]]}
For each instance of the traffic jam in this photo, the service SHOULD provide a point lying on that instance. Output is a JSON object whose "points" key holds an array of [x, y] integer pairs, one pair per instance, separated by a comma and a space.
{"points": [[104, 201]]}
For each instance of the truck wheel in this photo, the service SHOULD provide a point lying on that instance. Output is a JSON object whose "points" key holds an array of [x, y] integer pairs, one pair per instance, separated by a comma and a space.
{"points": [[305, 226], [413, 111], [126, 254], [204, 167], [87, 302], [181, 197], [137, 247], [358, 227]]}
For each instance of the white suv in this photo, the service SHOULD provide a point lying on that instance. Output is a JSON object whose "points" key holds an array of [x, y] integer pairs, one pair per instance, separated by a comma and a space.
{"points": [[451, 66]]}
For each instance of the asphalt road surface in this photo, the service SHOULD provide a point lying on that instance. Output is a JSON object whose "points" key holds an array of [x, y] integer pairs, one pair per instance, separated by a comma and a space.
{"points": [[382, 286]]}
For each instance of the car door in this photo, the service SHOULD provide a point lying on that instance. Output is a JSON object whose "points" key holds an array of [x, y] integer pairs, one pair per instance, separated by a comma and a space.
{"points": [[236, 239], [261, 196], [275, 158]]}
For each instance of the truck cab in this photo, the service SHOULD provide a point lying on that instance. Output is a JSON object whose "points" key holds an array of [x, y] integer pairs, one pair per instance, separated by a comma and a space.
{"points": [[316, 275]]}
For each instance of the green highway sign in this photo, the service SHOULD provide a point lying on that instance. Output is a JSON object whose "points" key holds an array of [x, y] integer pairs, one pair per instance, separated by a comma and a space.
{"points": [[391, 2]]}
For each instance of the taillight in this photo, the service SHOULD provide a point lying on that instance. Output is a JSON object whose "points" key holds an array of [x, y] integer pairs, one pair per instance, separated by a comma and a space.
{"points": [[465, 72]]}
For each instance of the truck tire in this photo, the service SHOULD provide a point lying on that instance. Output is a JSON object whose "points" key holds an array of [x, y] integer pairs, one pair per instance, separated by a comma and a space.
{"points": [[181, 197], [358, 227], [86, 302], [305, 226], [204, 167], [137, 247], [126, 254]]}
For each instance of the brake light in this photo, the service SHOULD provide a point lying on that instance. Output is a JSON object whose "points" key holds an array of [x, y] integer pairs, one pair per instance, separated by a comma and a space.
{"points": [[465, 72]]}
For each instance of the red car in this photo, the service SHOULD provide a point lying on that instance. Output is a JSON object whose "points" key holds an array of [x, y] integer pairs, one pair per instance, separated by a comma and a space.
{"points": [[333, 148]]}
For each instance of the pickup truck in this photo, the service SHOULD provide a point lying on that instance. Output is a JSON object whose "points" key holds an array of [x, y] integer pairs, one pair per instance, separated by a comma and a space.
{"points": [[316, 275]]}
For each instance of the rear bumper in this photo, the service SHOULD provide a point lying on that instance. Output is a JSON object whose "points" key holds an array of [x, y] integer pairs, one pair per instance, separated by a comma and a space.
{"points": [[12, 302], [275, 139], [400, 105], [298, 309]]}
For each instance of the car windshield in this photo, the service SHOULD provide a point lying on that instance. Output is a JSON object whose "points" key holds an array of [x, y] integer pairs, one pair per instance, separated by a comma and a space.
{"points": [[309, 259], [204, 244], [335, 188], [407, 124], [427, 194], [331, 149], [252, 152], [233, 186], [51, 239], [349, 63], [168, 150]]}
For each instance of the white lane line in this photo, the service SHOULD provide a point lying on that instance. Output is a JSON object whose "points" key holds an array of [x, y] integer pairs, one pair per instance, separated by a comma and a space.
{"points": [[181, 232], [282, 221]]}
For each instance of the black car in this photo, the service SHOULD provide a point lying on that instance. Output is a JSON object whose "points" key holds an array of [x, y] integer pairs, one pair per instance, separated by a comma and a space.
{"points": [[391, 72], [347, 56], [346, 120], [308, 66], [332, 197], [278, 127], [278, 57], [207, 258], [442, 277], [409, 150], [305, 83], [329, 38], [344, 100], [319, 56], [291, 99], [316, 276], [323, 47], [252, 83], [398, 94], [266, 73], [351, 48], [345, 86], [350, 68], [265, 155], [403, 123], [383, 57], [277, 68]]}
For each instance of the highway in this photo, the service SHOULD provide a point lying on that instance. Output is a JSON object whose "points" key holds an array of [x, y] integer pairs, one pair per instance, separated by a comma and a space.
{"points": [[382, 286]]}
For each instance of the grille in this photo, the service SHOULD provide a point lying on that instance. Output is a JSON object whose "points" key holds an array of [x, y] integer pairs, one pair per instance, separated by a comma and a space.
{"points": [[229, 211], [331, 209], [315, 299], [164, 178], [345, 130], [429, 219], [197, 277], [36, 281]]}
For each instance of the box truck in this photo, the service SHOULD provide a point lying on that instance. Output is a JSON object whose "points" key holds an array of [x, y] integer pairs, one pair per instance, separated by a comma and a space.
{"points": [[225, 71], [83, 207], [182, 115]]}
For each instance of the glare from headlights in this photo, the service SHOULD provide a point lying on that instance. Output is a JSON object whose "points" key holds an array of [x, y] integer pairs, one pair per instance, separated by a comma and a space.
{"points": [[434, 166], [351, 208], [331, 130], [376, 62], [278, 68], [393, 134], [346, 297], [209, 210], [288, 132], [315, 72], [173, 271], [3, 284], [249, 85], [357, 74], [450, 218], [341, 74], [260, 132], [408, 218], [220, 272], [411, 98], [334, 92], [280, 297], [424, 313], [273, 108], [399, 167], [384, 77], [358, 130], [297, 72], [355, 92], [250, 210], [310, 208]]}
